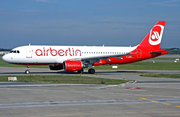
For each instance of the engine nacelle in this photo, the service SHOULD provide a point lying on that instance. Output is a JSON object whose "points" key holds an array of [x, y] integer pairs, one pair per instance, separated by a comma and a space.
{"points": [[72, 65], [55, 67]]}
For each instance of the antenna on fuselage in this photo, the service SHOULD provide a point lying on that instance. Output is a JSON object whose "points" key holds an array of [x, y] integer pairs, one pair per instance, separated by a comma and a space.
{"points": [[30, 44]]}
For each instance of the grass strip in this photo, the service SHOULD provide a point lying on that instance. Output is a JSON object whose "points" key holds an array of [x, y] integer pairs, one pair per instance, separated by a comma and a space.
{"points": [[162, 59], [4, 64], [161, 75], [144, 65], [63, 79]]}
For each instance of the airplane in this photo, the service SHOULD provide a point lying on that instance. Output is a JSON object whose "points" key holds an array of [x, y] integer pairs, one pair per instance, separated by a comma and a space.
{"points": [[76, 58]]}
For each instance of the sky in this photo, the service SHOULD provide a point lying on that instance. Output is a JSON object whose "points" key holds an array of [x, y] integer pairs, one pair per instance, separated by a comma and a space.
{"points": [[86, 22]]}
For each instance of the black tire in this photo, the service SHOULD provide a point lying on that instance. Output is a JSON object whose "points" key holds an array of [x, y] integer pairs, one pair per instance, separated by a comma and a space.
{"points": [[27, 72], [91, 71], [80, 71]]}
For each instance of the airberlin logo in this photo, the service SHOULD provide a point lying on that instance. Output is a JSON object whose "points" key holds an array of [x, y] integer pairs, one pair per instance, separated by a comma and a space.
{"points": [[156, 35], [59, 52]]}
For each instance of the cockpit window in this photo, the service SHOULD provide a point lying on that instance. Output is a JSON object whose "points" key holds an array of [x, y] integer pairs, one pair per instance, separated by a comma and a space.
{"points": [[14, 51]]}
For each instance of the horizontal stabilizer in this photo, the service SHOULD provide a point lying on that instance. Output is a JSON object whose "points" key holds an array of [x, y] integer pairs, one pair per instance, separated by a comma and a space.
{"points": [[156, 52]]}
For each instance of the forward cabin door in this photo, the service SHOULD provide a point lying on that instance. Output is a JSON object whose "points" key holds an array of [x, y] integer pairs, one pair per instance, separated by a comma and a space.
{"points": [[28, 52]]}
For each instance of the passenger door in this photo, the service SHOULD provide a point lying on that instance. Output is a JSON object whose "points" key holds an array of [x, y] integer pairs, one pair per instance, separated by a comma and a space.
{"points": [[28, 52]]}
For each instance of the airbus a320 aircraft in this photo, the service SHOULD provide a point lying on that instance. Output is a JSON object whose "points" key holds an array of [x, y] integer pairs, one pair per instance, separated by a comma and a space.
{"points": [[75, 58]]}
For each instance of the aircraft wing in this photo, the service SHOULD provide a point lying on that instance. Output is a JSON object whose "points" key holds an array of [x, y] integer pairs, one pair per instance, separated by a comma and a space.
{"points": [[118, 56], [98, 58]]}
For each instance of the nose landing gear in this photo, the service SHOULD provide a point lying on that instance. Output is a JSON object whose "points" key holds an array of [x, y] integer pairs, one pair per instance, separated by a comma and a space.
{"points": [[27, 70]]}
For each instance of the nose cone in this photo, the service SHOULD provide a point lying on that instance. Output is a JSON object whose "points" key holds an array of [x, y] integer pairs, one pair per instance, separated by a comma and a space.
{"points": [[6, 58]]}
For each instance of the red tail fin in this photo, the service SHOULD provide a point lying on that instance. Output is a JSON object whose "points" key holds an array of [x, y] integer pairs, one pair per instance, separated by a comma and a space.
{"points": [[152, 40]]}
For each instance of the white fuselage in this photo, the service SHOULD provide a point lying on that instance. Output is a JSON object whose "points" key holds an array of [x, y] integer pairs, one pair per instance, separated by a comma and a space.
{"points": [[58, 54]]}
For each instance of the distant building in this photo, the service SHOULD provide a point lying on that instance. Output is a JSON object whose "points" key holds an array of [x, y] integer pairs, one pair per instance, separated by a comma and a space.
{"points": [[4, 52]]}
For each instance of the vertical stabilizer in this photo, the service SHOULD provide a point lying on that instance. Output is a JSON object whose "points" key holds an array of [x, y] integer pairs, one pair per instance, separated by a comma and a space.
{"points": [[152, 40]]}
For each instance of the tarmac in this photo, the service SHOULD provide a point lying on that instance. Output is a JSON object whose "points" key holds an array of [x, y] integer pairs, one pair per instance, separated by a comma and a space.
{"points": [[143, 97]]}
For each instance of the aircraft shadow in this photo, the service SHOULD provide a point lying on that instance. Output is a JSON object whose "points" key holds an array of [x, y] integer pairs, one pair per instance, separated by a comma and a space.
{"points": [[75, 73]]}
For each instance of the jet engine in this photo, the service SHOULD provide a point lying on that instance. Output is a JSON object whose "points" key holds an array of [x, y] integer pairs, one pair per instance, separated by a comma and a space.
{"points": [[55, 67], [72, 65]]}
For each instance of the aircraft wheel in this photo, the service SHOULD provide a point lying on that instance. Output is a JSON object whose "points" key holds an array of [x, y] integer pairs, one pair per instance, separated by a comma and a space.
{"points": [[91, 71], [27, 72]]}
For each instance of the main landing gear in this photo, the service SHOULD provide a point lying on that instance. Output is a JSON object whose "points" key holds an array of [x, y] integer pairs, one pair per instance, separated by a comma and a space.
{"points": [[91, 71], [27, 70]]}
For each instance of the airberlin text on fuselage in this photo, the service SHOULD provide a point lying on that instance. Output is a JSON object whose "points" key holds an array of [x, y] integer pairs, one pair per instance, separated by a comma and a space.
{"points": [[59, 52]]}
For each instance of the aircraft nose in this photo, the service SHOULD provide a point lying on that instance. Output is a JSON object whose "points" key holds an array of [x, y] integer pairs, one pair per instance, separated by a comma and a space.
{"points": [[6, 58]]}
